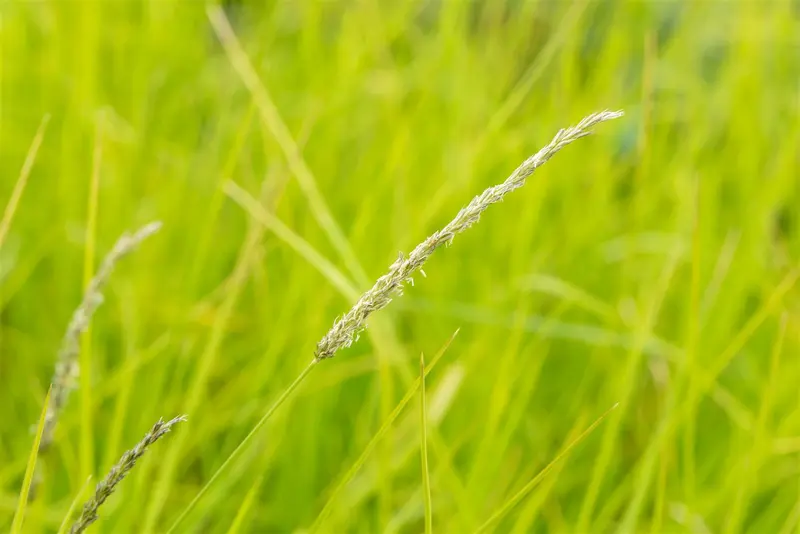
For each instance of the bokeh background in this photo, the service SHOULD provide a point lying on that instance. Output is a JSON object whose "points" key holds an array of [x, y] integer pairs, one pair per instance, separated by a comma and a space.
{"points": [[653, 264]]}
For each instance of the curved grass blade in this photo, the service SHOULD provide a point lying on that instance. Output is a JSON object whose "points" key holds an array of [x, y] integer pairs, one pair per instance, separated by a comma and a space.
{"points": [[359, 463], [513, 501], [22, 180], [423, 447], [72, 506], [19, 515], [239, 448], [244, 508]]}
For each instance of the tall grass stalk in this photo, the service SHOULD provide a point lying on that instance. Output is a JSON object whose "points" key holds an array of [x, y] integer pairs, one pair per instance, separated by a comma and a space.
{"points": [[514, 500], [19, 515], [239, 448], [119, 471], [423, 448], [22, 180], [86, 448], [247, 504], [72, 506], [67, 365], [342, 483], [271, 117], [345, 330]]}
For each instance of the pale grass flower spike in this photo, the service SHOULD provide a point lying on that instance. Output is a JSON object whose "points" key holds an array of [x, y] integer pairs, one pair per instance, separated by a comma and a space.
{"points": [[106, 487], [67, 368], [346, 329]]}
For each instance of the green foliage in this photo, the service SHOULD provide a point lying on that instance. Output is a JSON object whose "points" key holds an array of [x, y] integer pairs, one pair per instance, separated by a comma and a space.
{"points": [[653, 264]]}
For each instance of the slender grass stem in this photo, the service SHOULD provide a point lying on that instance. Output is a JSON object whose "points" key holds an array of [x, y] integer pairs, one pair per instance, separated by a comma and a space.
{"points": [[387, 424], [118, 472], [240, 448], [423, 448], [19, 515], [346, 329], [513, 501], [22, 180]]}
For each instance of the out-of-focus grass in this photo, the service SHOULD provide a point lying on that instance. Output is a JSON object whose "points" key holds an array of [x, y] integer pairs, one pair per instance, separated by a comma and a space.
{"points": [[652, 265]]}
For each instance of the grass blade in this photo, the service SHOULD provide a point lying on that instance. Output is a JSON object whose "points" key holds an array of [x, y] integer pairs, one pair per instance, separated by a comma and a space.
{"points": [[513, 501], [423, 447], [348, 476], [338, 279], [68, 365], [239, 448], [74, 504], [761, 435], [19, 515], [22, 180], [271, 117], [119, 471], [247, 503], [86, 448]]}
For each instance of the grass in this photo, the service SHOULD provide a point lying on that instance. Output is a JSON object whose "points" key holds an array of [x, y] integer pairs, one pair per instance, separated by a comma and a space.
{"points": [[30, 469], [380, 434], [107, 486], [517, 497], [22, 180], [653, 264], [66, 523], [423, 448]]}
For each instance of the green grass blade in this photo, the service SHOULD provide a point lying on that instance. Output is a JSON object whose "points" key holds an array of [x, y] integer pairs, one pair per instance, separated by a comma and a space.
{"points": [[19, 515], [423, 448], [247, 503], [513, 501], [65, 524], [85, 356], [301, 246], [348, 476], [761, 434], [22, 180], [239, 448], [276, 125]]}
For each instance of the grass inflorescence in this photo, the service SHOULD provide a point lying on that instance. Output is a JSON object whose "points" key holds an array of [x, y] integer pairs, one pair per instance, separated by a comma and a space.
{"points": [[119, 471], [67, 365], [346, 328]]}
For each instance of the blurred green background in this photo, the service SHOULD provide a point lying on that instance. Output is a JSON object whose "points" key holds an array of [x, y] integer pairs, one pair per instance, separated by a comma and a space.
{"points": [[652, 264]]}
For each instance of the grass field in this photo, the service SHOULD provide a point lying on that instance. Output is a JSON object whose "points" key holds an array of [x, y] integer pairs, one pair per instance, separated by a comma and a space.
{"points": [[653, 264]]}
